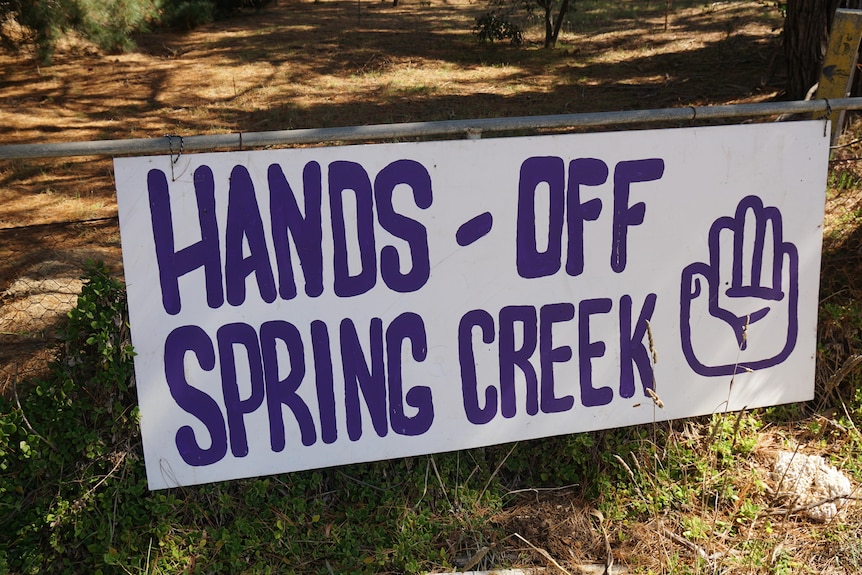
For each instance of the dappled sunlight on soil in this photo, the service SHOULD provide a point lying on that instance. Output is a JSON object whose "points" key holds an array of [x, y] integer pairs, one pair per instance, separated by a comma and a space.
{"points": [[302, 64], [328, 63]]}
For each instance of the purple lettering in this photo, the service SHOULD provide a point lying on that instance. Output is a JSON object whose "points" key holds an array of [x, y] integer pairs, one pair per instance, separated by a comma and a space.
{"points": [[407, 326], [632, 348], [586, 172], [469, 382], [306, 231], [206, 253], [588, 349], [625, 215], [414, 175], [324, 381], [549, 355], [358, 375], [511, 357], [244, 225], [193, 339], [281, 392], [530, 262], [351, 176], [229, 336]]}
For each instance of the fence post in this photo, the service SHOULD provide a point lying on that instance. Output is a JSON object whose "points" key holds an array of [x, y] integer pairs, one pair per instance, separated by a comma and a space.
{"points": [[839, 64]]}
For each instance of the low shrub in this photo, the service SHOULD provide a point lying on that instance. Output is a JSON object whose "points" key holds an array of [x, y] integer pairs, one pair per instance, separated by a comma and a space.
{"points": [[69, 445], [110, 24], [189, 14], [494, 26]]}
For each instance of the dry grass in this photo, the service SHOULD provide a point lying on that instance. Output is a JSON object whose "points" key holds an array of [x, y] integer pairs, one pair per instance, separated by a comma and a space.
{"points": [[304, 64]]}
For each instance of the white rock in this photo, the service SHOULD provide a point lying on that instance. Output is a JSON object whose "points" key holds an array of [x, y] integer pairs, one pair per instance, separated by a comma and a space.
{"points": [[810, 479]]}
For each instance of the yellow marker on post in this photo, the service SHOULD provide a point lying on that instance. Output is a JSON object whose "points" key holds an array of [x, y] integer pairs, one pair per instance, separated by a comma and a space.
{"points": [[839, 63]]}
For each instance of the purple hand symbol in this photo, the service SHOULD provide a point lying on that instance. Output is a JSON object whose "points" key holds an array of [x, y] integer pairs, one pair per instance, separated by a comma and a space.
{"points": [[739, 312]]}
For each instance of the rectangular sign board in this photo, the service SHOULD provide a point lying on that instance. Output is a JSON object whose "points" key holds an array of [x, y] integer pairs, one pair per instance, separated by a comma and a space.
{"points": [[303, 308]]}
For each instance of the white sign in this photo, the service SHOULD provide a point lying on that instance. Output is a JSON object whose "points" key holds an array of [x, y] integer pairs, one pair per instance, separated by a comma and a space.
{"points": [[296, 309]]}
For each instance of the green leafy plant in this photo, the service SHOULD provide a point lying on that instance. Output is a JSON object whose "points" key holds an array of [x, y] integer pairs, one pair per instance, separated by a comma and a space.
{"points": [[68, 444], [110, 24], [494, 26], [189, 14]]}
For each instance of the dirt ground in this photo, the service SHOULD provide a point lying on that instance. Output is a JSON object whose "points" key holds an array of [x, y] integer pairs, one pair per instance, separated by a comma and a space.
{"points": [[310, 64], [326, 63]]}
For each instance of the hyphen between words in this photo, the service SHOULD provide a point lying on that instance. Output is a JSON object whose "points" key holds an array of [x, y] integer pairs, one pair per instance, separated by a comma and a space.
{"points": [[238, 258]]}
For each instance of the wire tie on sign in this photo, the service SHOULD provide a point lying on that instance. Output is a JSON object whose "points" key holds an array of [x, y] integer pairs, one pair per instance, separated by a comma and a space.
{"points": [[240, 141], [693, 114], [827, 115], [179, 152]]}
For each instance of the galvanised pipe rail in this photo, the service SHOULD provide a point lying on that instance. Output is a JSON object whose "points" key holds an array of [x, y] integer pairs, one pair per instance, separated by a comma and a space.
{"points": [[173, 144]]}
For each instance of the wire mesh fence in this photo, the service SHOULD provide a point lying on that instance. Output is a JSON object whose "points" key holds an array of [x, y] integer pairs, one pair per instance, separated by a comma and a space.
{"points": [[40, 279]]}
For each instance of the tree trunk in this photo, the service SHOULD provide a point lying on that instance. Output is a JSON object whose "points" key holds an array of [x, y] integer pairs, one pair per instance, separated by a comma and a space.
{"points": [[806, 32], [564, 8], [552, 26], [549, 25]]}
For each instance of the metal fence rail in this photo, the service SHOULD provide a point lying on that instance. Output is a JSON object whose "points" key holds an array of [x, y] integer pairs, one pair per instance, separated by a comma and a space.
{"points": [[173, 144]]}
